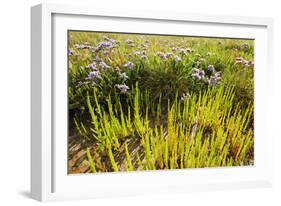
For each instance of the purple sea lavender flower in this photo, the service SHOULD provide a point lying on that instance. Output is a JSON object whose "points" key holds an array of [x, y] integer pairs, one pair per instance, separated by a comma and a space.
{"points": [[93, 66], [86, 45], [97, 60], [215, 79], [93, 75], [129, 65], [105, 52], [161, 55], [177, 59], [100, 63], [131, 45], [103, 65], [144, 46], [169, 54], [129, 41], [195, 70], [71, 52], [212, 81], [123, 88], [239, 60], [196, 75], [202, 73], [79, 46], [248, 63], [183, 51], [144, 57], [143, 52], [104, 45]]}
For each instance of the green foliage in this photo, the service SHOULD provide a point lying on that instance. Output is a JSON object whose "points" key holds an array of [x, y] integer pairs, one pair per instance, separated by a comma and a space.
{"points": [[157, 115], [91, 161]]}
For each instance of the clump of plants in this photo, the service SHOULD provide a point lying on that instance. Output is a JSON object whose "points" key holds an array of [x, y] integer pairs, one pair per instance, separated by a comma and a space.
{"points": [[144, 102]]}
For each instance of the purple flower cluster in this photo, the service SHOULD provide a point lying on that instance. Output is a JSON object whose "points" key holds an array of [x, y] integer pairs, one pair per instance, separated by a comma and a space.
{"points": [[177, 58], [93, 75], [161, 55], [105, 45], [185, 51], [123, 88], [129, 65], [101, 63], [212, 80], [130, 43], [85, 45], [72, 53], [98, 64], [92, 66], [198, 74], [248, 63], [142, 54], [164, 56], [215, 77], [143, 46], [144, 57], [240, 60]]}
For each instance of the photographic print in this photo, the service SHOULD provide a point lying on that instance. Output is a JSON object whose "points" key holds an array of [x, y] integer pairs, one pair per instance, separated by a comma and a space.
{"points": [[139, 102]]}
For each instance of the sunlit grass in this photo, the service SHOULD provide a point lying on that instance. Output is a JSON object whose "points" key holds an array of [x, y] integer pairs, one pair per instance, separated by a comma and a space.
{"points": [[161, 102]]}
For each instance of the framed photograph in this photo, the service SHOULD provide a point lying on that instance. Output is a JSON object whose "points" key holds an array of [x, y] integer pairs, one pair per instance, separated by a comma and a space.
{"points": [[136, 102]]}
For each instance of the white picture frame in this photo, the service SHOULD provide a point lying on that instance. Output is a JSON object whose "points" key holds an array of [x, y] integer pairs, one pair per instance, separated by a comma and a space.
{"points": [[49, 179]]}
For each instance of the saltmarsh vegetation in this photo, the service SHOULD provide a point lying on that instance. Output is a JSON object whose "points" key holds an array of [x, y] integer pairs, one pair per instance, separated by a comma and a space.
{"points": [[144, 102]]}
